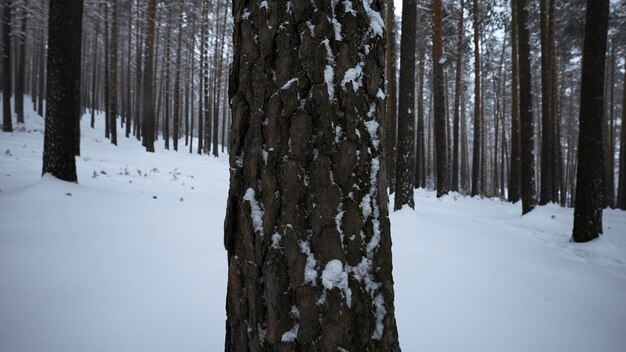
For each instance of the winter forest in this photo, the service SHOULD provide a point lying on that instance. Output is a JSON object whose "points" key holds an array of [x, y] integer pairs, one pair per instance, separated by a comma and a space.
{"points": [[313, 175]]}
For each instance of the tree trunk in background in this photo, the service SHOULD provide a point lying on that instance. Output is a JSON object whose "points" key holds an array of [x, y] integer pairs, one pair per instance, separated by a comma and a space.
{"points": [[609, 173], [107, 70], [391, 118], [94, 72], [526, 114], [515, 168], [477, 121], [590, 173], [439, 103], [202, 79], [420, 150], [457, 98], [218, 83], [63, 86], [113, 108], [464, 148], [129, 76], [309, 253], [42, 72], [21, 65], [177, 90], [545, 195], [148, 81], [7, 121], [557, 165], [405, 157], [621, 193]]}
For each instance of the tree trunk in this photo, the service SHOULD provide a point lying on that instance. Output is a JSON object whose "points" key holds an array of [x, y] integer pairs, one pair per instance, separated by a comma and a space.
{"points": [[309, 253], [405, 161], [545, 196], [7, 121], [609, 179], [21, 65], [439, 103], [621, 194], [420, 150], [177, 91], [590, 173], [391, 118], [477, 101], [148, 81], [526, 114], [63, 86], [113, 108], [457, 98], [515, 168]]}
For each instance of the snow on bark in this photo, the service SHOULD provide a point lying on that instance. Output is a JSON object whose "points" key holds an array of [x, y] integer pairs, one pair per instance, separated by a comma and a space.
{"points": [[256, 211]]}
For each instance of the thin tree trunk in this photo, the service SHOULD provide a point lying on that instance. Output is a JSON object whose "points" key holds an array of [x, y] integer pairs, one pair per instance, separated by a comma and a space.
{"points": [[621, 194], [391, 119], [420, 157], [21, 65], [439, 103], [113, 76], [476, 160]]}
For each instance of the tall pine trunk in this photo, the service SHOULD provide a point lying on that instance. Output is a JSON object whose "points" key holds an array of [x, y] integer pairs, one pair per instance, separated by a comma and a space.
{"points": [[590, 173], [63, 86], [148, 81], [391, 113], [527, 164], [476, 159], [405, 157], [7, 121], [439, 102]]}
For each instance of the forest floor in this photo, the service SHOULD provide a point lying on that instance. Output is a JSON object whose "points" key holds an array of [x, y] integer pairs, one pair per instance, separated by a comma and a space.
{"points": [[131, 259]]}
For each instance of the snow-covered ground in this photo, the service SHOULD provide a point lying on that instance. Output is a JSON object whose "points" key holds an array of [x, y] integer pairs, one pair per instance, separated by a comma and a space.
{"points": [[131, 259]]}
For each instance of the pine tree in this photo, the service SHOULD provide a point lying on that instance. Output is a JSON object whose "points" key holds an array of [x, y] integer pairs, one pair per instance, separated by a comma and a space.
{"points": [[148, 81], [527, 164], [309, 251], [590, 171], [476, 158], [405, 155], [63, 87], [7, 122], [439, 101]]}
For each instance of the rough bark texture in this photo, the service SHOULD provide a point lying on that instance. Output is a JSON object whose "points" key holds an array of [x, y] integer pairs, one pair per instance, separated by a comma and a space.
{"points": [[439, 103], [7, 123], [148, 81], [590, 173], [391, 116], [307, 229], [21, 65], [515, 168], [405, 157], [527, 164], [63, 86]]}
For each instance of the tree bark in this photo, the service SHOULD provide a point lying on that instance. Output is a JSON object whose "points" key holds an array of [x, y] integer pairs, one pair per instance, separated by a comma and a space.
{"points": [[457, 98], [405, 160], [420, 150], [526, 114], [7, 114], [21, 65], [476, 160], [113, 76], [547, 153], [621, 193], [63, 86], [590, 173], [439, 103], [148, 81], [515, 167], [391, 118], [309, 252]]}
